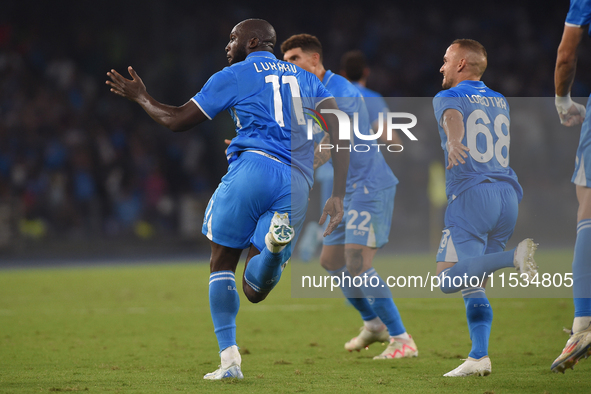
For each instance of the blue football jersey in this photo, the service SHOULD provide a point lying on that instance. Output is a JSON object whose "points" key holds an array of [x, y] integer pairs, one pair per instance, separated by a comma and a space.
{"points": [[486, 125], [263, 94], [374, 102], [368, 171], [579, 13]]}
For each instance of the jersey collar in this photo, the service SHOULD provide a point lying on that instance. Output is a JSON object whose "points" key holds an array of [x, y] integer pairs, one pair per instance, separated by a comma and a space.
{"points": [[327, 76], [264, 54], [476, 84]]}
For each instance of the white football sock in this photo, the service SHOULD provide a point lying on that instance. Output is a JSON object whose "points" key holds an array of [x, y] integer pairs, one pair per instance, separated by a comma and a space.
{"points": [[404, 336], [230, 356], [374, 325], [581, 323]]}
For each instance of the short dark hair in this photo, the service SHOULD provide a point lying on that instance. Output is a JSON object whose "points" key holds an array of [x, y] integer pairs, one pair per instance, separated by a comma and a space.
{"points": [[307, 42], [471, 45], [353, 64]]}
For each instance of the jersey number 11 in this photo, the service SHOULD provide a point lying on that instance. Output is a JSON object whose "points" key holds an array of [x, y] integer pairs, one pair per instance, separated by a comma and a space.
{"points": [[278, 101]]}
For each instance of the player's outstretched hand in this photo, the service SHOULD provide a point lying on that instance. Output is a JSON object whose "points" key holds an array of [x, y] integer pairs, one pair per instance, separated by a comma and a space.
{"points": [[334, 209], [132, 89], [575, 115], [456, 153]]}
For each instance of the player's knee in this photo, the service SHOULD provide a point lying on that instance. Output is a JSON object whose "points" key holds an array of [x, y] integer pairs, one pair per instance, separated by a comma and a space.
{"points": [[325, 263], [355, 263]]}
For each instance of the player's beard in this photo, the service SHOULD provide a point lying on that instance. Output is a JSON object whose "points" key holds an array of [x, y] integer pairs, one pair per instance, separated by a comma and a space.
{"points": [[446, 83], [239, 55]]}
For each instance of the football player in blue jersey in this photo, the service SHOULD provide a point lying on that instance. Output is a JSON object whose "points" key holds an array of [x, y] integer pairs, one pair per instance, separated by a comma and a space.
{"points": [[571, 114], [261, 202], [349, 251], [483, 193], [354, 68]]}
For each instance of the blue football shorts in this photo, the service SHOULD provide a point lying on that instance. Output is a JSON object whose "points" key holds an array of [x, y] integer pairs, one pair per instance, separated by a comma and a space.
{"points": [[367, 219], [239, 212], [582, 175], [479, 221]]}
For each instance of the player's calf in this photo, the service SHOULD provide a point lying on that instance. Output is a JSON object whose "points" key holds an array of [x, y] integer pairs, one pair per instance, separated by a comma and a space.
{"points": [[263, 270], [253, 296]]}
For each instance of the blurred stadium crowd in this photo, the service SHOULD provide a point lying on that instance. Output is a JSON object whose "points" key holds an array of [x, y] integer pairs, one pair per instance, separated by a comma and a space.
{"points": [[77, 162]]}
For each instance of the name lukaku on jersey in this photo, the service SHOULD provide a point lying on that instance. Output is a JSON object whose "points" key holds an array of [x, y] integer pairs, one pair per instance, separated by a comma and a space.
{"points": [[280, 66]]}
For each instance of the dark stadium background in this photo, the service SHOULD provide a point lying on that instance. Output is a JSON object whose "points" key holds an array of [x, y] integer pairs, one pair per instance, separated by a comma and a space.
{"points": [[87, 175]]}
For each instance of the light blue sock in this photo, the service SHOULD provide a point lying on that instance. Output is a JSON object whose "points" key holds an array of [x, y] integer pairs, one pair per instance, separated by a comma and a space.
{"points": [[264, 270], [582, 269], [479, 315], [479, 267], [376, 289], [223, 304], [354, 294]]}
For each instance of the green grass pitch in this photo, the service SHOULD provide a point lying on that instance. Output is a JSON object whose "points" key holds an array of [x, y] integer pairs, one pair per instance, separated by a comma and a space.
{"points": [[147, 329]]}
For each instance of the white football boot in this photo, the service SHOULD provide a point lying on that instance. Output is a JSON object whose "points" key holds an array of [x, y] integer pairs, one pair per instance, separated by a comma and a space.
{"points": [[366, 338], [230, 367], [280, 232], [523, 259], [399, 348], [471, 366], [577, 347]]}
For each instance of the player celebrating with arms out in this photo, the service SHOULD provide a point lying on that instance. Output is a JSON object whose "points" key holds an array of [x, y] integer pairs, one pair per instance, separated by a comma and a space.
{"points": [[571, 114], [483, 192], [270, 171], [369, 203]]}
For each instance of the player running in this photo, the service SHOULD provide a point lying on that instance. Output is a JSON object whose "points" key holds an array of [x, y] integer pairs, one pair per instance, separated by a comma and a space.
{"points": [[270, 166], [571, 114], [483, 192], [369, 203], [354, 68]]}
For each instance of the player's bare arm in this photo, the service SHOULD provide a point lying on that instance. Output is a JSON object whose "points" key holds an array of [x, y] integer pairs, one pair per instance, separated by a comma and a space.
{"points": [[453, 124], [340, 162], [321, 156], [570, 113], [175, 118]]}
